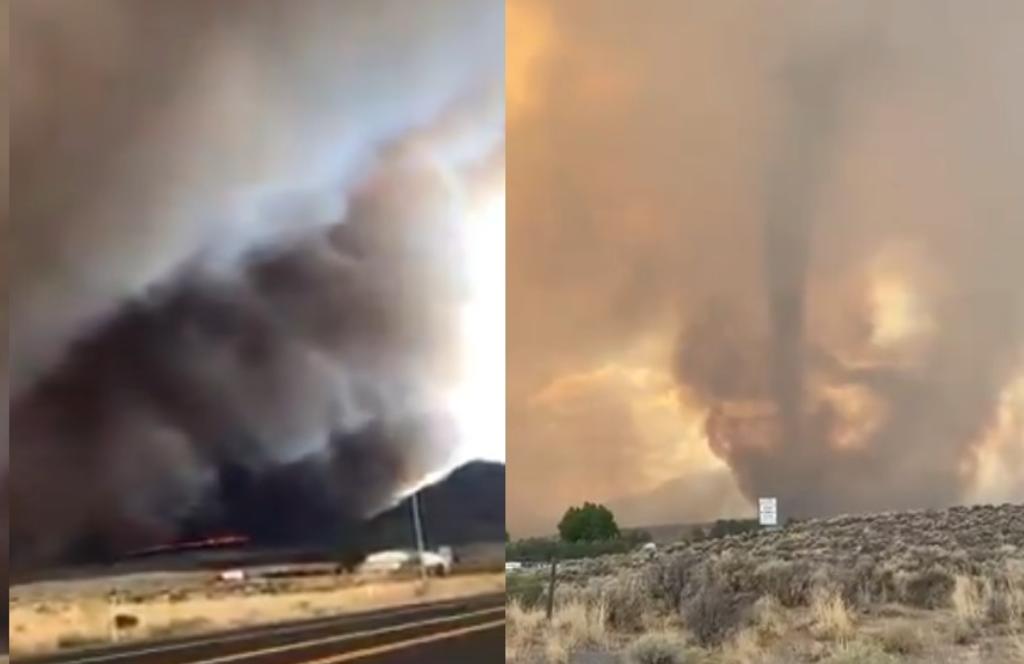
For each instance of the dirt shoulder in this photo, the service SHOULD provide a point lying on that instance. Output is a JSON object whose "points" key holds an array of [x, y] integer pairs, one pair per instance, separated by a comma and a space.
{"points": [[50, 616]]}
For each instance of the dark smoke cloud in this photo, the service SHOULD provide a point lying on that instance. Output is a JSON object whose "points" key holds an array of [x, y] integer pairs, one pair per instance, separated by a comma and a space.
{"points": [[237, 274], [227, 118], [739, 195], [922, 451], [815, 83], [820, 88]]}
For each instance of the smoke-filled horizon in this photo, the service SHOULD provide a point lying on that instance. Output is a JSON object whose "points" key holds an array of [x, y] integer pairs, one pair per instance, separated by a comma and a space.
{"points": [[239, 274], [764, 251]]}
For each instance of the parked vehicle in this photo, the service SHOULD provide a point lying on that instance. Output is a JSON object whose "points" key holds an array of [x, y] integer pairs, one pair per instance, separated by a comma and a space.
{"points": [[436, 563]]}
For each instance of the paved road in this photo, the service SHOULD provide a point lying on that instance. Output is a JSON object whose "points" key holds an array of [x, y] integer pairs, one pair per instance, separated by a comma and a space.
{"points": [[471, 631]]}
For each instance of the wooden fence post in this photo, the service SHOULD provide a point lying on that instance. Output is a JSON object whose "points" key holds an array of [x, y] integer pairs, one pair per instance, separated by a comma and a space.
{"points": [[551, 587]]}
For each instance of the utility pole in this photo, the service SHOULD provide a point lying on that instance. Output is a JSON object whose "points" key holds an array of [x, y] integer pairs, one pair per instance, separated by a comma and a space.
{"points": [[418, 526]]}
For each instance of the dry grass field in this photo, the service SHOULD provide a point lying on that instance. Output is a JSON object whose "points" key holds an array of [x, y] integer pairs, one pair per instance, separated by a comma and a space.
{"points": [[50, 616], [921, 587]]}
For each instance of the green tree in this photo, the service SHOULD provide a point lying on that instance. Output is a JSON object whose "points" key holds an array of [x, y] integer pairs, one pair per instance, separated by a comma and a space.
{"points": [[589, 523]]}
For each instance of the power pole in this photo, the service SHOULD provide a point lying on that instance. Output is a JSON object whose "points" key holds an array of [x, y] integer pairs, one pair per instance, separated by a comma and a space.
{"points": [[418, 526]]}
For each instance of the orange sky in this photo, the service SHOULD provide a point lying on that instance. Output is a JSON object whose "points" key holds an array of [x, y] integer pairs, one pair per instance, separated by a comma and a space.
{"points": [[643, 155]]}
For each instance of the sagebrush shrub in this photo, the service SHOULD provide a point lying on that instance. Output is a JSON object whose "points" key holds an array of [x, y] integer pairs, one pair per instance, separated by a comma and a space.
{"points": [[660, 648], [928, 590], [713, 614]]}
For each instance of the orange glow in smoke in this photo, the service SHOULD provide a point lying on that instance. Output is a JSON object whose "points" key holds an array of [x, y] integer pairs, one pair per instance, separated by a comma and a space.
{"points": [[530, 37]]}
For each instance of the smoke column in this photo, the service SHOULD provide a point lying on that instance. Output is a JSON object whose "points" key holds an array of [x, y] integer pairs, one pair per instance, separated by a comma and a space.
{"points": [[787, 233], [913, 427], [238, 233], [772, 248], [816, 83]]}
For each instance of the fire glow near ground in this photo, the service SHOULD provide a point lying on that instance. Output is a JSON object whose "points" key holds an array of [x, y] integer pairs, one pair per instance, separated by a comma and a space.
{"points": [[763, 251]]}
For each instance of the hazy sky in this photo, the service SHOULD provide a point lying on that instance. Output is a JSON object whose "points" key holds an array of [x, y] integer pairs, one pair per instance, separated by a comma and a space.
{"points": [[763, 249]]}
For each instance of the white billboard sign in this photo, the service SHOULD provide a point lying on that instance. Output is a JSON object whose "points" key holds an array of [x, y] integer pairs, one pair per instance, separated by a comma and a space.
{"points": [[768, 511]]}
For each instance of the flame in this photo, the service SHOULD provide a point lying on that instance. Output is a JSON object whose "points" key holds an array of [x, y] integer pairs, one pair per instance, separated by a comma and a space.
{"points": [[999, 455], [860, 412], [192, 545], [899, 311]]}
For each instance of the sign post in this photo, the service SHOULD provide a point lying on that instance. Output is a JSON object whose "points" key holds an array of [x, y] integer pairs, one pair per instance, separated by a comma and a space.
{"points": [[768, 512]]}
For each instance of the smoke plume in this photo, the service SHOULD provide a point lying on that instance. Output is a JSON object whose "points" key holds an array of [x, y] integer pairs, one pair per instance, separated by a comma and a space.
{"points": [[815, 446], [237, 277], [814, 83], [800, 221]]}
